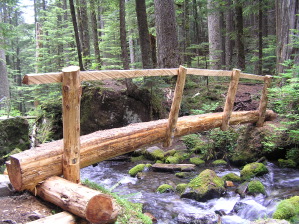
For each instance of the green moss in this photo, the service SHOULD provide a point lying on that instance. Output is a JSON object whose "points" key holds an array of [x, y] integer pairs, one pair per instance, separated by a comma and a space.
{"points": [[159, 161], [138, 158], [287, 209], [191, 140], [255, 187], [154, 153], [287, 163], [252, 170], [164, 188], [206, 184], [197, 161], [172, 160], [182, 155], [180, 188], [232, 177], [136, 169], [219, 162], [170, 153], [182, 174]]}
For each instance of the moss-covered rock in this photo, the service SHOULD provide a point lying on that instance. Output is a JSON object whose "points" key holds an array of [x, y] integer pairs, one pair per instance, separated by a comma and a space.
{"points": [[182, 155], [138, 168], [180, 188], [231, 177], [154, 153], [183, 174], [172, 160], [256, 187], [219, 162], [287, 209], [170, 153], [287, 163], [14, 133], [164, 188], [205, 186], [137, 158], [197, 161], [253, 169]]}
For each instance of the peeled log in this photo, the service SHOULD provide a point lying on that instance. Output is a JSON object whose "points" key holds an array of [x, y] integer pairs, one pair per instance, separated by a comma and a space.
{"points": [[82, 201], [28, 168], [62, 217]]}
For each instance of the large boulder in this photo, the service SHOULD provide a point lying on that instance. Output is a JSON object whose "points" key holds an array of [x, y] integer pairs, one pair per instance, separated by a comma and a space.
{"points": [[253, 169], [207, 185], [287, 209], [14, 133]]}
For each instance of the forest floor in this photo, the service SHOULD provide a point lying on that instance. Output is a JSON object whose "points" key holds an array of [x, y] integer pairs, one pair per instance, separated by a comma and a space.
{"points": [[24, 207]]}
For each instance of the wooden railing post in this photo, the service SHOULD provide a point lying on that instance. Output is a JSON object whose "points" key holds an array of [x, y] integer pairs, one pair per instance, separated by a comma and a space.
{"points": [[175, 107], [71, 95], [264, 101], [230, 99]]}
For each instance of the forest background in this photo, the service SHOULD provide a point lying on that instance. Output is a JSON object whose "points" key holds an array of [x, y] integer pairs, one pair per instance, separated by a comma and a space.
{"points": [[256, 36]]}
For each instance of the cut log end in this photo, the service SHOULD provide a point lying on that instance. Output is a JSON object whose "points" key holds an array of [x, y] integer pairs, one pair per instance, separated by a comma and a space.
{"points": [[15, 173], [100, 210]]}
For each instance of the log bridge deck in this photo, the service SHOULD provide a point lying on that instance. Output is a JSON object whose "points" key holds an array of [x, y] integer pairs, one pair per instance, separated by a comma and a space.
{"points": [[37, 169]]}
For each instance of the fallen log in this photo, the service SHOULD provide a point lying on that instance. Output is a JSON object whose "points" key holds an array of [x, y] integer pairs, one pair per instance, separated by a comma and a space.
{"points": [[28, 168], [61, 217], [173, 167], [82, 201]]}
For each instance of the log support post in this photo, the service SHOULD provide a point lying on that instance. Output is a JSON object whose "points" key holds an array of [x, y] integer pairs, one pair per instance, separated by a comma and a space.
{"points": [[175, 107], [71, 95], [264, 101], [230, 99]]}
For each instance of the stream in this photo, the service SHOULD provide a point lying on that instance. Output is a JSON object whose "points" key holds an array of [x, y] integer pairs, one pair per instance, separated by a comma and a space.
{"points": [[169, 208]]}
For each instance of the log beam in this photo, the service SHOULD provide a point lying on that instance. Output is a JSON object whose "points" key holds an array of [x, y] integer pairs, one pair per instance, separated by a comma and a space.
{"points": [[61, 217], [175, 107], [230, 99], [82, 201], [71, 96], [28, 168], [264, 101]]}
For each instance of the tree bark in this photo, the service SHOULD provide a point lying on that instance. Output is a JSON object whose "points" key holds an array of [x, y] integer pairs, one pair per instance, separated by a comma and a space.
{"points": [[78, 44], [287, 25], [167, 40], [228, 40], [94, 25], [240, 35], [28, 168], [144, 37], [123, 35], [82, 201], [214, 35]]}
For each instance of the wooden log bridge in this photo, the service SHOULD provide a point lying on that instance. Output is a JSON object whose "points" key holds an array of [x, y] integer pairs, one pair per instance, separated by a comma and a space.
{"points": [[37, 169]]}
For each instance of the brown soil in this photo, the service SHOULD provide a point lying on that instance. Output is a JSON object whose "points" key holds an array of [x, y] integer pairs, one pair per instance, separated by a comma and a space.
{"points": [[23, 208]]}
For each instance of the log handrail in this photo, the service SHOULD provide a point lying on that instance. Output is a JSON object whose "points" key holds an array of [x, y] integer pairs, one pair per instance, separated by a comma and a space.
{"points": [[44, 78]]}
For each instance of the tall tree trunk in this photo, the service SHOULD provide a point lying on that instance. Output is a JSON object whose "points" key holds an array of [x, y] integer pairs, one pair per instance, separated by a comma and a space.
{"points": [[78, 44], [123, 35], [240, 36], [228, 40], [259, 69], [287, 26], [94, 25], [214, 34], [167, 40], [144, 36]]}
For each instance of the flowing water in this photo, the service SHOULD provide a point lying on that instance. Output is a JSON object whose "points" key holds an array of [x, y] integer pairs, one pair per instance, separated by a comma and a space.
{"points": [[169, 208]]}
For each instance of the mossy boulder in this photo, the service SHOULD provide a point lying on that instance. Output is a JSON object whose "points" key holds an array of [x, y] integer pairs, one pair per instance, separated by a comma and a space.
{"points": [[138, 168], [253, 169], [207, 185], [154, 153], [197, 161], [180, 188], [256, 187], [14, 133], [165, 188], [172, 160], [287, 163], [287, 209], [137, 158], [219, 162], [231, 177], [183, 174], [182, 155], [170, 153]]}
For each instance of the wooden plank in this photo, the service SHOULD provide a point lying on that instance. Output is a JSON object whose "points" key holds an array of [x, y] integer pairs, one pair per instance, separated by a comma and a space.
{"points": [[61, 217], [71, 95], [264, 101], [173, 167], [230, 99], [28, 168], [80, 200], [98, 75], [175, 107]]}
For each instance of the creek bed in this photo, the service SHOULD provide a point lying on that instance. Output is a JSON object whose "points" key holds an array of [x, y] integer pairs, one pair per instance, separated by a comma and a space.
{"points": [[169, 208]]}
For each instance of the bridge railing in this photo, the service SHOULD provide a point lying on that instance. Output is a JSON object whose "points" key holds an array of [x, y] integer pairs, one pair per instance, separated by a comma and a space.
{"points": [[71, 79]]}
